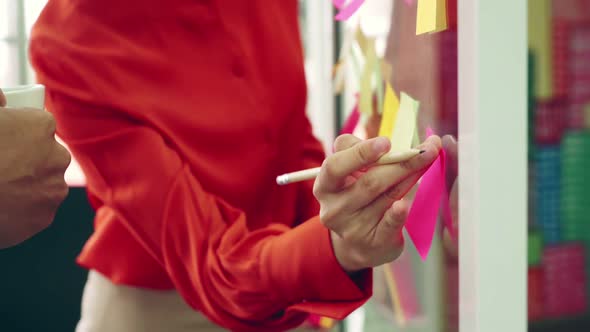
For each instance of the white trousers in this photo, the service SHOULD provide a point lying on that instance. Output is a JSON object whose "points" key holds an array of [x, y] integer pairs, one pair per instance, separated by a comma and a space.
{"points": [[107, 307]]}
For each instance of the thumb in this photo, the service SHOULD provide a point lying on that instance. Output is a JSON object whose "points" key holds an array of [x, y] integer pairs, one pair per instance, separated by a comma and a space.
{"points": [[345, 141]]}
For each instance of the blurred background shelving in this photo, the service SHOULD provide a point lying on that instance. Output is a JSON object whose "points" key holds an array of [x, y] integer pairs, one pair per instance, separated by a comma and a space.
{"points": [[559, 165]]}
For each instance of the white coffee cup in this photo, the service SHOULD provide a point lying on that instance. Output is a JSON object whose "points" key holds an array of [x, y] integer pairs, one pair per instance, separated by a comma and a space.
{"points": [[32, 96]]}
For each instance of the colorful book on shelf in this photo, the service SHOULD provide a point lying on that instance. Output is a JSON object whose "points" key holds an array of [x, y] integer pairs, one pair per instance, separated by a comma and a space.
{"points": [[570, 38], [540, 44], [564, 280], [535, 293]]}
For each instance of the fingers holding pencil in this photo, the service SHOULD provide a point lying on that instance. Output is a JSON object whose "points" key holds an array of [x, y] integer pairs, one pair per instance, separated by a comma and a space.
{"points": [[361, 157], [355, 192], [339, 166], [384, 184]]}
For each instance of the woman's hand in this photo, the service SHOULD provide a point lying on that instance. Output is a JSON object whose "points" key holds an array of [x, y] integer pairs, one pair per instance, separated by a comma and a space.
{"points": [[361, 203]]}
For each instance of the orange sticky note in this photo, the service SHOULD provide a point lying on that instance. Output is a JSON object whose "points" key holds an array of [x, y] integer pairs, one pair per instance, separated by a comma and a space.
{"points": [[431, 16]]}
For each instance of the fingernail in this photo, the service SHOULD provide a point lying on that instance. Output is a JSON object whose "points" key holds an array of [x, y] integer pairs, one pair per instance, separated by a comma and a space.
{"points": [[426, 153], [421, 147], [381, 144]]}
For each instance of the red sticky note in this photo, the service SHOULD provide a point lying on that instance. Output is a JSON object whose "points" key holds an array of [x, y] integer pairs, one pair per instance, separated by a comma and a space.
{"points": [[351, 122]]}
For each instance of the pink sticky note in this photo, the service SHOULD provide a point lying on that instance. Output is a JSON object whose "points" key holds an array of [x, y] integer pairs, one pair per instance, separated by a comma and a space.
{"points": [[338, 3], [421, 222], [346, 12], [408, 2]]}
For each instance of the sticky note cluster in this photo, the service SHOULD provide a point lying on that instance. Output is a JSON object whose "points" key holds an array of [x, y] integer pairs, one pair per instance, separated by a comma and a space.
{"points": [[399, 116], [431, 15], [399, 123]]}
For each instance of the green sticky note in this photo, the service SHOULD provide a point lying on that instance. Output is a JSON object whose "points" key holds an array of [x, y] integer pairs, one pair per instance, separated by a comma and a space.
{"points": [[405, 124], [416, 139], [535, 248]]}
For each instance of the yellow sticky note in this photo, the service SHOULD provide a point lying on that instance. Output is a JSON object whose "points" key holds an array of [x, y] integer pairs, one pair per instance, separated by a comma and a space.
{"points": [[405, 124], [386, 70], [431, 16], [390, 107], [362, 40], [539, 28], [366, 88], [338, 77]]}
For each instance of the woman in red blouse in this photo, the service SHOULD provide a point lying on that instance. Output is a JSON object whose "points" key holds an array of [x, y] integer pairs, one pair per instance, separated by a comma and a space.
{"points": [[181, 114]]}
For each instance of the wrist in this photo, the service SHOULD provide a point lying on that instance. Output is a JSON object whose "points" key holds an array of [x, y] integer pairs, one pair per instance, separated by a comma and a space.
{"points": [[347, 257]]}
